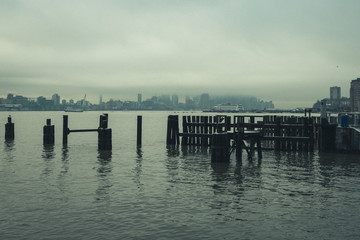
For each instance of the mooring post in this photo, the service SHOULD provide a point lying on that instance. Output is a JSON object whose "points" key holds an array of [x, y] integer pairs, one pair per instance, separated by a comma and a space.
{"points": [[103, 123], [104, 133], [49, 133], [65, 129], [220, 148], [104, 139], [139, 130], [172, 136], [9, 130]]}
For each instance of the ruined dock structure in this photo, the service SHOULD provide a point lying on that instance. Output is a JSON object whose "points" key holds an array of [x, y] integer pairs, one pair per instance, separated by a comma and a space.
{"points": [[226, 134]]}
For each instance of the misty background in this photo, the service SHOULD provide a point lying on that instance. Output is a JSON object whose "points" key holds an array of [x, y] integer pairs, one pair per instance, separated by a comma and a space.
{"points": [[289, 52]]}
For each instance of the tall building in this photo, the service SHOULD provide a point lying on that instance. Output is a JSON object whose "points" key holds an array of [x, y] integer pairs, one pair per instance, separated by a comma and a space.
{"points": [[56, 99], [355, 95], [139, 98], [175, 99], [204, 101], [335, 93]]}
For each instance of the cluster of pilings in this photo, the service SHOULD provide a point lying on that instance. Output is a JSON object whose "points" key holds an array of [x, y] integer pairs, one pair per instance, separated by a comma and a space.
{"points": [[225, 134], [104, 133]]}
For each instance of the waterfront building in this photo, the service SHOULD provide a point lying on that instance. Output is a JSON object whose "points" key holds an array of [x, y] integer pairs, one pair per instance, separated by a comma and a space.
{"points": [[355, 95], [335, 93]]}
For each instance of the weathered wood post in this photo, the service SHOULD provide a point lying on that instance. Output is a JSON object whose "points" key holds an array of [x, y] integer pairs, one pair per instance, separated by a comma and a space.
{"points": [[9, 130], [184, 139], [104, 134], [252, 121], [277, 132], [239, 146], [139, 131], [327, 136], [227, 123], [48, 133], [172, 136], [65, 129], [220, 148]]}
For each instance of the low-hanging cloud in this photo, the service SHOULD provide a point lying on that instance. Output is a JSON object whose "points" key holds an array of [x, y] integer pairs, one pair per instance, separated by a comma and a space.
{"points": [[283, 51]]}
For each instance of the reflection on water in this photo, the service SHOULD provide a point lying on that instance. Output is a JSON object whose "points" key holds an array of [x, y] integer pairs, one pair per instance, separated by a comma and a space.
{"points": [[155, 192], [48, 152], [172, 150], [138, 169], [103, 171], [9, 148]]}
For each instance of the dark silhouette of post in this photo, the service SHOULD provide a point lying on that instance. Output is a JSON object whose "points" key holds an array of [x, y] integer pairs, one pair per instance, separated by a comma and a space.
{"points": [[49, 133], [220, 148], [172, 136], [104, 134], [139, 131], [65, 129], [9, 130]]}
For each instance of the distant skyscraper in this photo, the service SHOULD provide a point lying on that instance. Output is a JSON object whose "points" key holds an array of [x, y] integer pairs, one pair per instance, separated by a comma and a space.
{"points": [[175, 99], [335, 93], [355, 95], [56, 99], [204, 101], [139, 98]]}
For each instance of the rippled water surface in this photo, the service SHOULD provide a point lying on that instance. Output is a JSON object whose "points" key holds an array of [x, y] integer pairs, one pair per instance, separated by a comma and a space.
{"points": [[160, 192]]}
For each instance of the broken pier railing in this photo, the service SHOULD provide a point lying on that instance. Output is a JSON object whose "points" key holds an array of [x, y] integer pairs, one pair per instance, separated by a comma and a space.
{"points": [[104, 133], [244, 132]]}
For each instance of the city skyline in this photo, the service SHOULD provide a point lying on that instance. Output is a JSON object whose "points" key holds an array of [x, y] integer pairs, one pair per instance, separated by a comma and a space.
{"points": [[286, 51]]}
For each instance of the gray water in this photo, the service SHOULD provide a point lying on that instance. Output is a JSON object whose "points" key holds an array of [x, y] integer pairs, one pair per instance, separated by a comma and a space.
{"points": [[166, 193]]}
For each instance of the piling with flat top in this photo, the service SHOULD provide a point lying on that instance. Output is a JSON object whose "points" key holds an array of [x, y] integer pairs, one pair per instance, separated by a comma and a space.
{"points": [[220, 148], [139, 131], [49, 133], [104, 134], [9, 130]]}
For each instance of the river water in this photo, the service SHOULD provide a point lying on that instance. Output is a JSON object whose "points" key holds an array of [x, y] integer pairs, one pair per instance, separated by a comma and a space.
{"points": [[160, 192]]}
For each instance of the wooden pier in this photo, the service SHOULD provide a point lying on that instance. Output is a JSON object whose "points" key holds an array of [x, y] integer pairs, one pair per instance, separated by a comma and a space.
{"points": [[285, 133]]}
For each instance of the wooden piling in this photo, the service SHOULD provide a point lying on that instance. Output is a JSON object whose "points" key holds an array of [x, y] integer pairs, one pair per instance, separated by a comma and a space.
{"points": [[172, 136], [9, 130], [220, 148], [65, 129], [104, 139], [48, 133], [139, 131], [277, 132]]}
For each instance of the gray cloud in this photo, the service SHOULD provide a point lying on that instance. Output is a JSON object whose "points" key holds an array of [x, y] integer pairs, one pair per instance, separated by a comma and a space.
{"points": [[285, 51]]}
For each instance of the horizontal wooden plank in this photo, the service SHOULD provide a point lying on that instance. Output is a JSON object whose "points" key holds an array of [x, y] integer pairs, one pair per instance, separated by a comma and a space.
{"points": [[84, 130], [280, 138]]}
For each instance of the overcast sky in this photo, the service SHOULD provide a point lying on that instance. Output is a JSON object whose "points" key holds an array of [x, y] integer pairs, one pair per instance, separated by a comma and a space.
{"points": [[287, 51]]}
